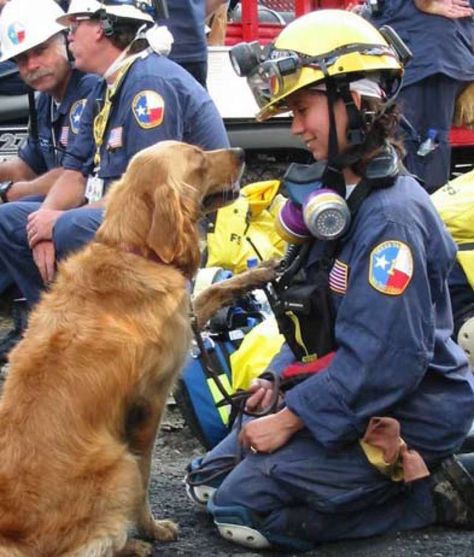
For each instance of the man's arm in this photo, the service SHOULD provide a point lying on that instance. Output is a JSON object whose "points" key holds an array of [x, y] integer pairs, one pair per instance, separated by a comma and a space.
{"points": [[452, 9], [67, 192], [16, 169], [38, 186], [212, 5]]}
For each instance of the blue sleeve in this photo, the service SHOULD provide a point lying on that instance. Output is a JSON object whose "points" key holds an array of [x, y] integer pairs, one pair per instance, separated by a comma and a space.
{"points": [[80, 152], [385, 342], [138, 133], [30, 151]]}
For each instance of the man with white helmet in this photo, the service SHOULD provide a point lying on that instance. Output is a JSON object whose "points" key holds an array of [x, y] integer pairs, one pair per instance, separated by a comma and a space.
{"points": [[31, 37], [143, 98]]}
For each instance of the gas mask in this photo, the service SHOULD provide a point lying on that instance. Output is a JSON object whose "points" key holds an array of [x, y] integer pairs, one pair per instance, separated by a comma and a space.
{"points": [[315, 211], [312, 210]]}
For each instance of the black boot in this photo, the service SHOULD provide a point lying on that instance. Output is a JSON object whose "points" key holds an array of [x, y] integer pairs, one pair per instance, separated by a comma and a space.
{"points": [[453, 492], [12, 337]]}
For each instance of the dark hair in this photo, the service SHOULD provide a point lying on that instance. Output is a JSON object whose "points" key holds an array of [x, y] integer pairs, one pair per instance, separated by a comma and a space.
{"points": [[381, 126], [124, 31]]}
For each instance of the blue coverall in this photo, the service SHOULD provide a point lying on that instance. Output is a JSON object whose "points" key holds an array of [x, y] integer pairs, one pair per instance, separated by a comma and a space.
{"points": [[394, 357], [157, 100], [58, 127], [187, 25], [443, 61]]}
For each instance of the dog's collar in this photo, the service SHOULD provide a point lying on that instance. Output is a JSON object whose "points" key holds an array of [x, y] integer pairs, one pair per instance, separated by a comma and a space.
{"points": [[135, 250]]}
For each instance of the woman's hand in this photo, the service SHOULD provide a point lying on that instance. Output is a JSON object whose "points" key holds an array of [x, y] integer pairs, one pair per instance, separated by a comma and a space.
{"points": [[269, 433]]}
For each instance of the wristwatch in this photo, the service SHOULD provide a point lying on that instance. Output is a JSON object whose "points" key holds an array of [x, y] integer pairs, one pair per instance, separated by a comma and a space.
{"points": [[4, 187]]}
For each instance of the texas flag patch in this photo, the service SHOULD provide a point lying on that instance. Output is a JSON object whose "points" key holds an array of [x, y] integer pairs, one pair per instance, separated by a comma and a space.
{"points": [[16, 33], [391, 267], [148, 108], [75, 114]]}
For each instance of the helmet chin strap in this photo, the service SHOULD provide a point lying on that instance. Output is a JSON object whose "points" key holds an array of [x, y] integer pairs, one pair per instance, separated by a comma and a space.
{"points": [[333, 176]]}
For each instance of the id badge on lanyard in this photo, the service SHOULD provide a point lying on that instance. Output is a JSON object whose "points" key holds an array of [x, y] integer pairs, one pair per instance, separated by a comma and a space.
{"points": [[94, 188]]}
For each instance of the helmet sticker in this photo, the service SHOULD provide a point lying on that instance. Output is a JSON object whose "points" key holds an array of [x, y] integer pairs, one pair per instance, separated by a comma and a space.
{"points": [[391, 267], [16, 32], [148, 108], [75, 114]]}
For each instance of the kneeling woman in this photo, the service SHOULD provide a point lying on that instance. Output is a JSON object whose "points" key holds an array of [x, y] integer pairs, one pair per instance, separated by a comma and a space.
{"points": [[332, 464]]}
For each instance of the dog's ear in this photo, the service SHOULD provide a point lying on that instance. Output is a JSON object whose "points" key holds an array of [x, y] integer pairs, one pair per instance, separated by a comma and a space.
{"points": [[167, 223]]}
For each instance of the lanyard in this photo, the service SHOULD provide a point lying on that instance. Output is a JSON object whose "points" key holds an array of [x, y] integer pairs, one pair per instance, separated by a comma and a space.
{"points": [[100, 121]]}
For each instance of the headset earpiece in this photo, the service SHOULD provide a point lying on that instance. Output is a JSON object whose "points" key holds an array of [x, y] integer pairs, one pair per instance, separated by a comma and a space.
{"points": [[106, 24]]}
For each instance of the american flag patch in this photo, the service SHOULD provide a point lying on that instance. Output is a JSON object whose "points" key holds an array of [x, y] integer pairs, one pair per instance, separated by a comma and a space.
{"points": [[115, 138], [63, 138], [338, 277]]}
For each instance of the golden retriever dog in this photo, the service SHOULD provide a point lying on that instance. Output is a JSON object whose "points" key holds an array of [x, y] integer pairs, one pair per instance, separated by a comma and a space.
{"points": [[88, 384]]}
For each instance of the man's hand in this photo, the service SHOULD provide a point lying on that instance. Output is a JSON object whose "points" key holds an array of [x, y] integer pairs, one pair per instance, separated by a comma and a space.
{"points": [[452, 9], [44, 258], [267, 434], [40, 225]]}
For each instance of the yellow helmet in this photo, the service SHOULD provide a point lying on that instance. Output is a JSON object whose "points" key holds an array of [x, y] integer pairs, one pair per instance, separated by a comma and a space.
{"points": [[319, 45]]}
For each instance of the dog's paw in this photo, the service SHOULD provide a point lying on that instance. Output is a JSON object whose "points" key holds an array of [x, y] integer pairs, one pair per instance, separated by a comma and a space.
{"points": [[163, 530], [136, 548]]}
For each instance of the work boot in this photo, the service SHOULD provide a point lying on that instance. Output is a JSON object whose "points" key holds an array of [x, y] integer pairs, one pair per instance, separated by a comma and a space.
{"points": [[14, 335], [453, 494]]}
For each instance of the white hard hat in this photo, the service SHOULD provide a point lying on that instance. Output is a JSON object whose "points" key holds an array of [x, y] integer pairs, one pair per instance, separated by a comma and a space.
{"points": [[25, 24], [126, 9]]}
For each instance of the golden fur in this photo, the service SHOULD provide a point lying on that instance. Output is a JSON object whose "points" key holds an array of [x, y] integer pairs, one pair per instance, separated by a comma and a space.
{"points": [[88, 384], [221, 294]]}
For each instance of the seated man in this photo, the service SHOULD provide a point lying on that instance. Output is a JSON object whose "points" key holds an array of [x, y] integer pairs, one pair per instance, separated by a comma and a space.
{"points": [[143, 98], [455, 204], [36, 42]]}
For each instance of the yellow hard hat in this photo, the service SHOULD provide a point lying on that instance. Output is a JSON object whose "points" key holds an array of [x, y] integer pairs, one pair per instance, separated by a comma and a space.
{"points": [[318, 45]]}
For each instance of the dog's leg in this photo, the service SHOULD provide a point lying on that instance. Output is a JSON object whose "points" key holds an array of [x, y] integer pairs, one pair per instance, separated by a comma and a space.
{"points": [[220, 294], [142, 426]]}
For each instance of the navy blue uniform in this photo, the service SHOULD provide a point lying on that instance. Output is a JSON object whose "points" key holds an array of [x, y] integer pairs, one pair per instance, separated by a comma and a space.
{"points": [[157, 100], [395, 357], [443, 60], [58, 125], [186, 24]]}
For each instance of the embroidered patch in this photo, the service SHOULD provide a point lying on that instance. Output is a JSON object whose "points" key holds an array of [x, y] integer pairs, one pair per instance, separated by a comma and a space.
{"points": [[338, 277], [16, 33], [148, 108], [391, 267], [63, 138], [75, 115], [115, 138]]}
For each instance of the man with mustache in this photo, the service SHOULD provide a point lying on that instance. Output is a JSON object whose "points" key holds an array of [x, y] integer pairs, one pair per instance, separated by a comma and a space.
{"points": [[31, 37]]}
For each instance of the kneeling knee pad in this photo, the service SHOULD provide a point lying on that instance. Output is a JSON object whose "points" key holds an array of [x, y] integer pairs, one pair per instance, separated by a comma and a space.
{"points": [[239, 525], [466, 339]]}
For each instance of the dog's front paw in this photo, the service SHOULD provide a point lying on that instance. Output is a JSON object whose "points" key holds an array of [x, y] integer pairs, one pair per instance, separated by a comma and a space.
{"points": [[163, 530], [136, 548]]}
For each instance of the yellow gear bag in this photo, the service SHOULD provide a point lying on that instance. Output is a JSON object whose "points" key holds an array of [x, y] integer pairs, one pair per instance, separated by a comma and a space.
{"points": [[257, 350], [455, 204], [252, 216]]}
